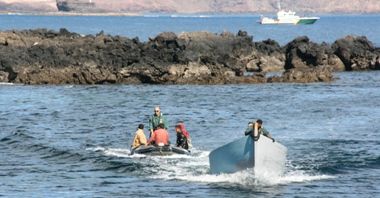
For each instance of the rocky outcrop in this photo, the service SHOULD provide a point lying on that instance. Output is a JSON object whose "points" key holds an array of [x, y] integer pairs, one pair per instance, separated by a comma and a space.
{"points": [[301, 53], [268, 56], [49, 57], [43, 56], [357, 53], [305, 75]]}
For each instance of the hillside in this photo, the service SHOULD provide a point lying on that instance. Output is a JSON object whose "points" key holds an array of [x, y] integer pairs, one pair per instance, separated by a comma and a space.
{"points": [[205, 6]]}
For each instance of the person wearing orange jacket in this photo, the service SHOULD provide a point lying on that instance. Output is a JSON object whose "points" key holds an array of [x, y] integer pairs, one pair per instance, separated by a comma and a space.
{"points": [[160, 137]]}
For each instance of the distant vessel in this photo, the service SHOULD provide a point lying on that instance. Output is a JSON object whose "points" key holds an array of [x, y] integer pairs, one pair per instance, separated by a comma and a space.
{"points": [[76, 5], [287, 17]]}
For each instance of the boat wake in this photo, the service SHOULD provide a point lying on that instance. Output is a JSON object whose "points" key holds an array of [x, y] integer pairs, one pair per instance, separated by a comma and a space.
{"points": [[195, 168]]}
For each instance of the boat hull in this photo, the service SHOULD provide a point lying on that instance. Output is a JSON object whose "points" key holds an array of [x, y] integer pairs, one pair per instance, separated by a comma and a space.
{"points": [[159, 150], [307, 21], [270, 21], [301, 21], [233, 157], [262, 155]]}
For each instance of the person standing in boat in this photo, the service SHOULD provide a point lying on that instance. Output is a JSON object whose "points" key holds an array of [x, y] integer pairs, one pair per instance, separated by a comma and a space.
{"points": [[183, 136], [156, 119], [139, 138], [256, 129], [160, 137]]}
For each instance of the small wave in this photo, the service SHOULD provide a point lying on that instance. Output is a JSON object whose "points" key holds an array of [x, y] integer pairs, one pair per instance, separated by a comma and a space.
{"points": [[195, 168], [123, 152], [68, 86], [248, 178], [5, 83], [299, 176]]}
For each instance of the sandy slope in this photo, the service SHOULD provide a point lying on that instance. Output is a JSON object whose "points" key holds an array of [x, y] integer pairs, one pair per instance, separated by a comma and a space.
{"points": [[199, 6]]}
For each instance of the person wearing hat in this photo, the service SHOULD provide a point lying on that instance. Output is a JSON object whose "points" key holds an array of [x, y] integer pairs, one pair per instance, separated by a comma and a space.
{"points": [[256, 129], [139, 138]]}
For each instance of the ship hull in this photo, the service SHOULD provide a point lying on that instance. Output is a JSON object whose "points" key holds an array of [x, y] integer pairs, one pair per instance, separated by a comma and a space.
{"points": [[307, 21], [297, 21]]}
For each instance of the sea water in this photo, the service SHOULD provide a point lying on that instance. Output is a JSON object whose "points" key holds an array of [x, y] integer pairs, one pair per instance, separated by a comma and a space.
{"points": [[328, 29], [74, 141]]}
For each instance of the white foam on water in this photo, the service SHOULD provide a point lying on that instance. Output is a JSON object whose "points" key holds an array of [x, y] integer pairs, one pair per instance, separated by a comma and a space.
{"points": [[195, 168], [117, 152], [98, 148], [6, 83], [244, 178]]}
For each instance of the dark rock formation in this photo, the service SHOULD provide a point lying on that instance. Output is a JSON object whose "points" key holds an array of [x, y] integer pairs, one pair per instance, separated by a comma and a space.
{"points": [[49, 57], [305, 75], [357, 53], [301, 53], [43, 56], [268, 56]]}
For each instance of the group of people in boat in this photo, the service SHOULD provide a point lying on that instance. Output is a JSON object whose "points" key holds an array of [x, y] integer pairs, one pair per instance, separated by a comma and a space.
{"points": [[158, 133], [159, 136]]}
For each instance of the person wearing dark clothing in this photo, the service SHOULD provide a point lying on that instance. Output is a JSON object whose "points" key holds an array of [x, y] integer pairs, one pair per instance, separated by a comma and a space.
{"points": [[183, 137], [156, 119], [256, 129]]}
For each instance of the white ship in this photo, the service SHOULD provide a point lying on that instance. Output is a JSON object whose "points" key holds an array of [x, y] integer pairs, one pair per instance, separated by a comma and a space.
{"points": [[287, 17]]}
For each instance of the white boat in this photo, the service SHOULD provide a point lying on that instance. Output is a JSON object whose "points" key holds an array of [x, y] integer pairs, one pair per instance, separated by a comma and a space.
{"points": [[287, 17], [263, 155]]}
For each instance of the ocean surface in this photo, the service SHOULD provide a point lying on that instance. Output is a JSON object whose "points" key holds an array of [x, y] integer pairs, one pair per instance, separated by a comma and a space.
{"points": [[73, 141], [327, 29]]}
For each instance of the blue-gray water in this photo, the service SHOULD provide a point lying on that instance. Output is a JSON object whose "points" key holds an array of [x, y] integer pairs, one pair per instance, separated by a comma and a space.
{"points": [[328, 28], [73, 141]]}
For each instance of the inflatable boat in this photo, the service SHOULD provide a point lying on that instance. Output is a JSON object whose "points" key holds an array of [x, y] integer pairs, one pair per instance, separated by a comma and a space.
{"points": [[160, 150], [262, 154]]}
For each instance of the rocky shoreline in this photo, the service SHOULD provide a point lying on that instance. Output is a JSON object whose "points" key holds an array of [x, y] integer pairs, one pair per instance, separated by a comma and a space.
{"points": [[61, 57]]}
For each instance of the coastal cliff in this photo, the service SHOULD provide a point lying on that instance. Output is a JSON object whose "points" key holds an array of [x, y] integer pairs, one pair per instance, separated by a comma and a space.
{"points": [[49, 57], [204, 6]]}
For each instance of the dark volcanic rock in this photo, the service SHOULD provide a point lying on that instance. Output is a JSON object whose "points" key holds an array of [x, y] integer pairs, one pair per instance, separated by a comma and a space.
{"points": [[268, 57], [305, 75], [43, 56], [301, 53], [357, 53], [60, 57]]}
